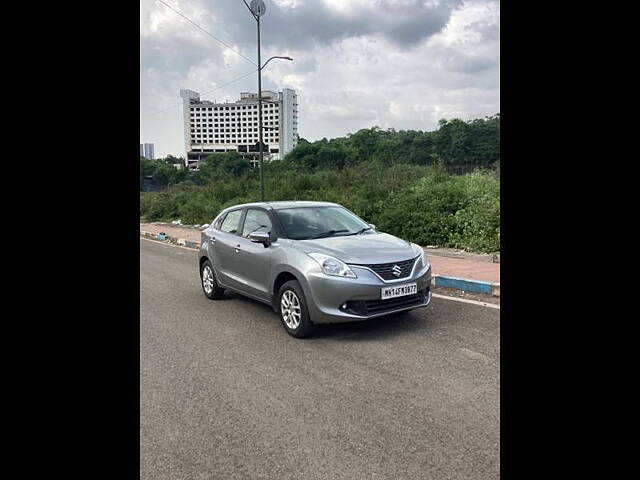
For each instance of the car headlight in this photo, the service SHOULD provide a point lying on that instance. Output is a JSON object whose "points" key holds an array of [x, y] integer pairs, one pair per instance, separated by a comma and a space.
{"points": [[423, 255], [333, 266]]}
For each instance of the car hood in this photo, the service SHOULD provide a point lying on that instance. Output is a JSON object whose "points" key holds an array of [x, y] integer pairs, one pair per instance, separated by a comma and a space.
{"points": [[363, 249]]}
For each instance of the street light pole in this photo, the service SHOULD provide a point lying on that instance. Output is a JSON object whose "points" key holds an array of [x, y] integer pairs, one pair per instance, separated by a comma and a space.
{"points": [[258, 9], [260, 115]]}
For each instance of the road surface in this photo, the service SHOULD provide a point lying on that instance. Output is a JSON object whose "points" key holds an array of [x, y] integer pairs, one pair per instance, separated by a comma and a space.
{"points": [[225, 393]]}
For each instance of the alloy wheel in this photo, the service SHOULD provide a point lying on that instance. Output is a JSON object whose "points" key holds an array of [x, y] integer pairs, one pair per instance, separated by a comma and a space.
{"points": [[290, 309], [207, 279]]}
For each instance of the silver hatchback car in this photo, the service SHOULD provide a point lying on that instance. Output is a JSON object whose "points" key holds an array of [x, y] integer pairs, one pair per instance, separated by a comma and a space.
{"points": [[313, 262]]}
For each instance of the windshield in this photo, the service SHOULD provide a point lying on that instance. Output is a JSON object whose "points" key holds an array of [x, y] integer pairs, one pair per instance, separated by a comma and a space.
{"points": [[320, 222]]}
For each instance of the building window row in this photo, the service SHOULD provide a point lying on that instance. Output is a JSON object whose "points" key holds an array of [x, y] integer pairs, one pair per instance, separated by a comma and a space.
{"points": [[238, 141], [220, 130], [227, 121], [232, 122], [266, 121], [232, 125], [234, 135], [269, 115], [233, 109], [243, 114]]}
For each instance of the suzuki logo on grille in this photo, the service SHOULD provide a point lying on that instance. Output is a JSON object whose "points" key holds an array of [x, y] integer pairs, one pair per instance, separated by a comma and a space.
{"points": [[396, 270]]}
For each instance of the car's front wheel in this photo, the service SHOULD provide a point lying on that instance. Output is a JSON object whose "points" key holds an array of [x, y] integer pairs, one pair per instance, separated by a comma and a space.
{"points": [[209, 283], [294, 314]]}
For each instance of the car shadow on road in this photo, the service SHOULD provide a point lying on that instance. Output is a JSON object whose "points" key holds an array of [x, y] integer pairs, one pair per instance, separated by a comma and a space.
{"points": [[394, 325], [376, 328]]}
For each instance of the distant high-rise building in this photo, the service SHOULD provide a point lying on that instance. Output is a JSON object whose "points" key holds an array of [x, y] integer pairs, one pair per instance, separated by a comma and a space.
{"points": [[146, 150], [233, 127]]}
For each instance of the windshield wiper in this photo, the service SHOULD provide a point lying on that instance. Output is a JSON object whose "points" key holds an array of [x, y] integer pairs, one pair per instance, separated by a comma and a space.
{"points": [[330, 233], [362, 230]]}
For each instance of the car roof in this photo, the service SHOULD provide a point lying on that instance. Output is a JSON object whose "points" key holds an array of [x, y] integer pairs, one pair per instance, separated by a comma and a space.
{"points": [[284, 204]]}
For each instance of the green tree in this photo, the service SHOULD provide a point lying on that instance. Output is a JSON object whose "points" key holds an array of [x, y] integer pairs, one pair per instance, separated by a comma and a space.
{"points": [[455, 143]]}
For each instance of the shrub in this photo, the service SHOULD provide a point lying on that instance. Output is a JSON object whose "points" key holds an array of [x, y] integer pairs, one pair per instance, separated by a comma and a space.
{"points": [[423, 204]]}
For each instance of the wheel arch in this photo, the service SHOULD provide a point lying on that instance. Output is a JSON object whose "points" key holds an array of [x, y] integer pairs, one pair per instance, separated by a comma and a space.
{"points": [[281, 278]]}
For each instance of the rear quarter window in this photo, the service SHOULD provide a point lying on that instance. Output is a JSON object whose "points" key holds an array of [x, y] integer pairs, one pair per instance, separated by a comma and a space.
{"points": [[218, 221], [230, 222]]}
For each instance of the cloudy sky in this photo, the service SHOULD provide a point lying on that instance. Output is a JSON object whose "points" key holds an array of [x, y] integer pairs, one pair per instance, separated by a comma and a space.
{"points": [[400, 64]]}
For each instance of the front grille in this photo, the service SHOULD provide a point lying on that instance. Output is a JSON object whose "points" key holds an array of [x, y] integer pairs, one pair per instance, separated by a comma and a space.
{"points": [[373, 307], [385, 270]]}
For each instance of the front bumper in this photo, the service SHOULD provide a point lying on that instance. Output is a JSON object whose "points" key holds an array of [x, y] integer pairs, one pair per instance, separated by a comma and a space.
{"points": [[336, 299]]}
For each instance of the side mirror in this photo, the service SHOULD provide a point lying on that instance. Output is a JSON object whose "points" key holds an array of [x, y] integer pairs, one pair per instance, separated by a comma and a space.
{"points": [[259, 237], [373, 227]]}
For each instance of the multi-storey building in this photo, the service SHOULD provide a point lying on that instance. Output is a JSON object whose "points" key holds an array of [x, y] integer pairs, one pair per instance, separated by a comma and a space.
{"points": [[211, 127], [146, 150]]}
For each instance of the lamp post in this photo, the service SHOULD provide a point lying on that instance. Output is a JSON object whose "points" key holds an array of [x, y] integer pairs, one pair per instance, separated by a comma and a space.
{"points": [[258, 9]]}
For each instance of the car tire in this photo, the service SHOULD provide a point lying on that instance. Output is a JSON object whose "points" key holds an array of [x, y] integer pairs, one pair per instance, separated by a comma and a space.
{"points": [[209, 283], [292, 308]]}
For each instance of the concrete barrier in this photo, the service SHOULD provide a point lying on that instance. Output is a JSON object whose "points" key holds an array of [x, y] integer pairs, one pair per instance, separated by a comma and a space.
{"points": [[183, 242], [467, 285]]}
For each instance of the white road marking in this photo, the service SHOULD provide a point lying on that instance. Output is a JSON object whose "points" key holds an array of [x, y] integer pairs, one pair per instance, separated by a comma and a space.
{"points": [[464, 300]]}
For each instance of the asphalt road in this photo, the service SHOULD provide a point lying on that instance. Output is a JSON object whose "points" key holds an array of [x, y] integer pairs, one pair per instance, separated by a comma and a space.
{"points": [[225, 393]]}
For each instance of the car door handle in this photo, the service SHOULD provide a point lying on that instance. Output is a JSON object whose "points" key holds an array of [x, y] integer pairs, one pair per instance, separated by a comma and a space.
{"points": [[212, 240], [237, 248]]}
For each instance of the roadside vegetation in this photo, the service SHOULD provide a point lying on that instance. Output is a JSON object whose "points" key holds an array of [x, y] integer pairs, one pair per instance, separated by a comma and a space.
{"points": [[407, 183]]}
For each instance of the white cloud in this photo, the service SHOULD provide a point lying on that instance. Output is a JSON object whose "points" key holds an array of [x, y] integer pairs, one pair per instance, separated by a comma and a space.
{"points": [[348, 79]]}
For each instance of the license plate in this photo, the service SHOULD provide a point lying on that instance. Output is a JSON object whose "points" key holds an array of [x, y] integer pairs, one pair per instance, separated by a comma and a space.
{"points": [[399, 290]]}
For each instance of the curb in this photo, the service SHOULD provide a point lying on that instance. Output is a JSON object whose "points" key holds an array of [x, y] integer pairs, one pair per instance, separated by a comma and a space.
{"points": [[466, 284], [168, 239]]}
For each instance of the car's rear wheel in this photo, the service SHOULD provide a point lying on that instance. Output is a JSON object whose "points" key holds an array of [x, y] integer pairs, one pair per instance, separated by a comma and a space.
{"points": [[209, 283], [292, 307]]}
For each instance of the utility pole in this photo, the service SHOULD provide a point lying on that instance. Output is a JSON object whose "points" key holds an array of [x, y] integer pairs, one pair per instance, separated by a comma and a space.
{"points": [[257, 10], [260, 108]]}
